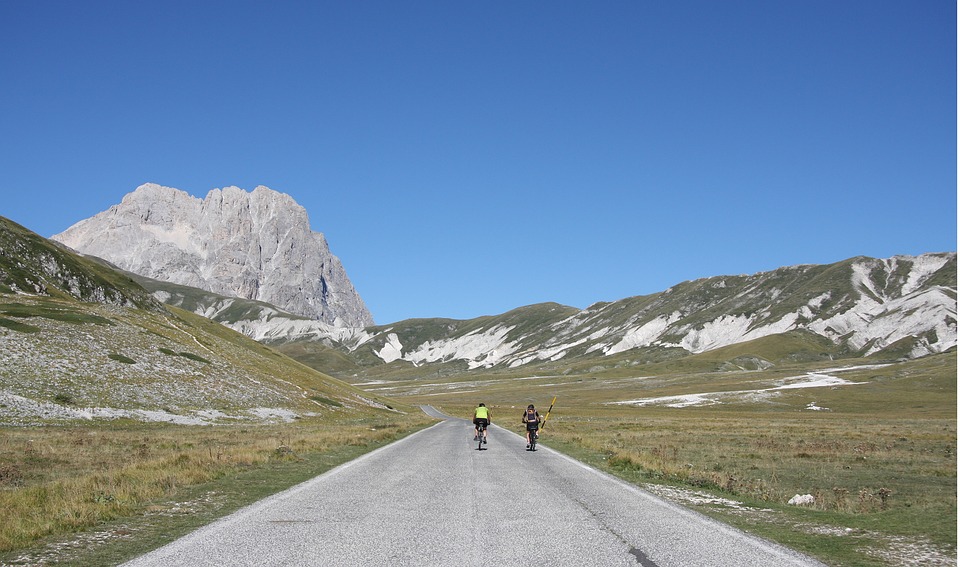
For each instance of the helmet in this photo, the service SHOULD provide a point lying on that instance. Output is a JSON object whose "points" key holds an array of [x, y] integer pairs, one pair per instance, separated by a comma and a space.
{"points": [[481, 405], [530, 406]]}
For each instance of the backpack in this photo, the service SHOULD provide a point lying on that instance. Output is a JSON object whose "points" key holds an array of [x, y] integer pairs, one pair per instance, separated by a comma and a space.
{"points": [[532, 423]]}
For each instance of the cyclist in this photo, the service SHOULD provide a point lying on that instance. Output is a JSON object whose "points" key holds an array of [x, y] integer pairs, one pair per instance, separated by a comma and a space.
{"points": [[481, 415], [531, 418]]}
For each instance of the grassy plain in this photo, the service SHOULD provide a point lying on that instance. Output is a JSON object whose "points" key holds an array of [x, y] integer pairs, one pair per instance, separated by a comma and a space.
{"points": [[878, 454], [101, 494]]}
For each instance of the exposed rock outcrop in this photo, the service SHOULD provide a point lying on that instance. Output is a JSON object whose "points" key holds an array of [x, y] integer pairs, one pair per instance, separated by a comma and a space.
{"points": [[254, 245]]}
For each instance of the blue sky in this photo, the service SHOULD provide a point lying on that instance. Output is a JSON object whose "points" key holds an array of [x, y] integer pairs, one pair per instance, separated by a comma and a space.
{"points": [[468, 158]]}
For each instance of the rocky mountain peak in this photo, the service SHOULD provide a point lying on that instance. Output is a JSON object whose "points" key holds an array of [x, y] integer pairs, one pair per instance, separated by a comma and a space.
{"points": [[254, 245]]}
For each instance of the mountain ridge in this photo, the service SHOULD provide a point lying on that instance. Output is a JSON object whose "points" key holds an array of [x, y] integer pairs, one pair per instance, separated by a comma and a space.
{"points": [[863, 306]]}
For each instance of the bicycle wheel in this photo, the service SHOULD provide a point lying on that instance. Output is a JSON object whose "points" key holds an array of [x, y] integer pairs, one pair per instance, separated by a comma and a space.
{"points": [[480, 429], [533, 440]]}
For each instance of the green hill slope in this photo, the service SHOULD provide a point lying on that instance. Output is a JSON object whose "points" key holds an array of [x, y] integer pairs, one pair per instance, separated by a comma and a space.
{"points": [[82, 341]]}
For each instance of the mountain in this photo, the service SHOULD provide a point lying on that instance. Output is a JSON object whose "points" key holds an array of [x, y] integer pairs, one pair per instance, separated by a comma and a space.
{"points": [[83, 341], [901, 307], [255, 245]]}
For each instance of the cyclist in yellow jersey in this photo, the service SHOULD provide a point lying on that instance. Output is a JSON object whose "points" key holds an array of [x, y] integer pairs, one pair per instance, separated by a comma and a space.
{"points": [[481, 414]]}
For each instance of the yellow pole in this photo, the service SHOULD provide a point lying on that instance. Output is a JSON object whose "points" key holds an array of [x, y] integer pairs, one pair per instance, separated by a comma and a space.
{"points": [[548, 413]]}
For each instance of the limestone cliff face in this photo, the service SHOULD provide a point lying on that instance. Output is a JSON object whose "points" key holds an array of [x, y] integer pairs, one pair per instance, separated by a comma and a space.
{"points": [[254, 245]]}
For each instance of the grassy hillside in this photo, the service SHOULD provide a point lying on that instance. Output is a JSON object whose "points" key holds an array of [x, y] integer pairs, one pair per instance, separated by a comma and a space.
{"points": [[34, 265], [84, 341], [68, 359]]}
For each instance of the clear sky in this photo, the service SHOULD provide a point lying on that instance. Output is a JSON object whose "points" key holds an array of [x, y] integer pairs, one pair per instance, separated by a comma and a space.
{"points": [[468, 158]]}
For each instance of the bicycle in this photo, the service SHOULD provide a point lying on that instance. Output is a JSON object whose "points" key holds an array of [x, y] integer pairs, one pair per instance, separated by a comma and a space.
{"points": [[533, 439], [481, 433]]}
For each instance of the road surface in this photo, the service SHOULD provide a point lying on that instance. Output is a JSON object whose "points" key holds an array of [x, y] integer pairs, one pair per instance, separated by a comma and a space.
{"points": [[434, 499]]}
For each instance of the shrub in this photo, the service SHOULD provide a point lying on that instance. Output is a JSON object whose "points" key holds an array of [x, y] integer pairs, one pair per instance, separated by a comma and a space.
{"points": [[64, 399], [121, 358]]}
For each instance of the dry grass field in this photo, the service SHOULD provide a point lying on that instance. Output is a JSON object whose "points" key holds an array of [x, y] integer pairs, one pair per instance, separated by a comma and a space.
{"points": [[59, 485]]}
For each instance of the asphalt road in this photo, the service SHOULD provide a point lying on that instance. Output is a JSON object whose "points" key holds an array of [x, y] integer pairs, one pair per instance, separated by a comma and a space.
{"points": [[434, 499]]}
